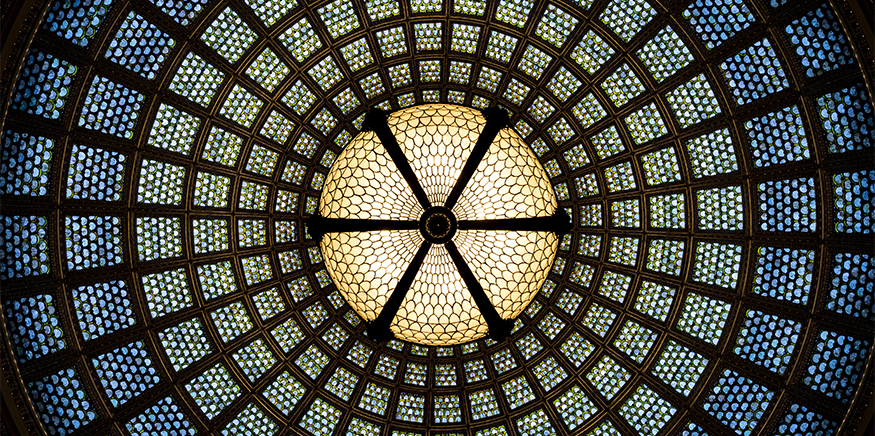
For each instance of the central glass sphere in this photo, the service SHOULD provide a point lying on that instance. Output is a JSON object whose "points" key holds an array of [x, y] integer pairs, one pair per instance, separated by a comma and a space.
{"points": [[393, 235]]}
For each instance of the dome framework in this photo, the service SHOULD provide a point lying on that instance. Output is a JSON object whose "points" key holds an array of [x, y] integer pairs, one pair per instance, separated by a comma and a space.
{"points": [[159, 162]]}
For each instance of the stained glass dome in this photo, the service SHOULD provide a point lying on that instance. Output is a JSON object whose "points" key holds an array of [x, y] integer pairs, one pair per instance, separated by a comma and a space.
{"points": [[160, 161]]}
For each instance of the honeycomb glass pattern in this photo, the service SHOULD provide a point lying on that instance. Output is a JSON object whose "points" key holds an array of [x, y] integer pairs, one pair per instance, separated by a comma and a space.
{"points": [[43, 85]]}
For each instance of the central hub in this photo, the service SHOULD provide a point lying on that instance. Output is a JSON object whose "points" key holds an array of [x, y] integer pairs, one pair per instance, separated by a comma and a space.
{"points": [[437, 225]]}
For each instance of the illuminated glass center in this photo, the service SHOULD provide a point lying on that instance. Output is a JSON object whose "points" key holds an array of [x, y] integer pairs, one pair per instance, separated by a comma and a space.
{"points": [[438, 224]]}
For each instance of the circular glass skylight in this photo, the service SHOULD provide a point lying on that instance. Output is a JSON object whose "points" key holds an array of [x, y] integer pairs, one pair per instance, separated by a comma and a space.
{"points": [[437, 224], [161, 160]]}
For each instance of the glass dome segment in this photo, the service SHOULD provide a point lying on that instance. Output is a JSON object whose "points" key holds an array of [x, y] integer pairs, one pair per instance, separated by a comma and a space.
{"points": [[483, 199]]}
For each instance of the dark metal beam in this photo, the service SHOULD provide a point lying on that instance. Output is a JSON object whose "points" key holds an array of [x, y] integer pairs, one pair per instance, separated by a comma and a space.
{"points": [[499, 328], [318, 225], [378, 330], [496, 119], [558, 223], [376, 121]]}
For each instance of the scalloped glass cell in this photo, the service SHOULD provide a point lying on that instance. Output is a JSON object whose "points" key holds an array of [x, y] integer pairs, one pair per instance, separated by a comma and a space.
{"points": [[321, 418], [798, 420], [103, 308], [588, 111], [111, 108], [483, 404], [836, 365], [720, 209], [185, 343], [140, 46], [465, 37], [665, 256], [447, 409], [126, 372], [556, 25], [357, 54], [767, 340], [285, 392], [167, 292], [428, 36], [196, 80], [655, 300], [608, 377], [231, 321], [277, 127], [173, 130], [251, 419], [93, 241], [382, 9], [25, 247], [847, 119], [213, 390], [182, 11], [95, 174], [515, 13], [270, 11], [534, 62], [229, 35], [158, 238], [623, 251], [76, 21], [160, 183], [501, 46], [339, 18], [469, 7], [646, 411], [268, 70], [517, 392], [262, 161], [43, 85], [661, 166], [216, 279], [717, 264], [34, 327], [626, 19], [626, 213], [777, 137], [375, 399], [718, 20], [788, 205], [784, 274], [852, 285], [693, 102], [211, 190], [754, 73], [61, 402], [26, 163], [255, 359], [592, 52], [164, 417], [535, 424], [853, 201], [712, 154], [646, 124], [635, 340], [665, 54], [324, 121], [574, 407], [704, 317], [301, 40], [820, 43], [620, 177], [241, 106], [622, 86], [679, 367], [411, 407], [251, 233], [737, 402]]}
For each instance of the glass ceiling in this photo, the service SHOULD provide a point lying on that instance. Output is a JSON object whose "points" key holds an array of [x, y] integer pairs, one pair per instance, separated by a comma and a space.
{"points": [[159, 160]]}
